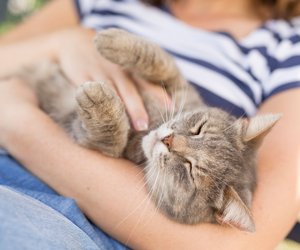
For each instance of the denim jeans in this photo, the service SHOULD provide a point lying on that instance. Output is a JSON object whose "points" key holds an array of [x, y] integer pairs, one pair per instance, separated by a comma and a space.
{"points": [[33, 216]]}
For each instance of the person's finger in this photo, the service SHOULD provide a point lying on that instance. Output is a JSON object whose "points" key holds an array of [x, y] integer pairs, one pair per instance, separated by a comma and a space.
{"points": [[158, 92], [132, 100], [99, 75], [75, 74]]}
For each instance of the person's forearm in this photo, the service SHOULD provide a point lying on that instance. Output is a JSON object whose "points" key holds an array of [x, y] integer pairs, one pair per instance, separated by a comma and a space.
{"points": [[46, 47], [28, 52], [107, 190], [104, 188], [56, 15]]}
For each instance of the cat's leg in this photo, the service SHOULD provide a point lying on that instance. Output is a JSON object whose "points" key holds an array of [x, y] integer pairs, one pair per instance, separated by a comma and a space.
{"points": [[139, 56], [102, 122], [148, 60]]}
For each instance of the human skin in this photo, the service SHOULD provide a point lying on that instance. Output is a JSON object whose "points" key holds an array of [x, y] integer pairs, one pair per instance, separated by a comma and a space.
{"points": [[72, 47], [61, 39], [109, 190]]}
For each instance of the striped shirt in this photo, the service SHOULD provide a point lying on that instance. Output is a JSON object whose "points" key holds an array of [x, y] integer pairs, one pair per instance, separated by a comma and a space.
{"points": [[235, 75]]}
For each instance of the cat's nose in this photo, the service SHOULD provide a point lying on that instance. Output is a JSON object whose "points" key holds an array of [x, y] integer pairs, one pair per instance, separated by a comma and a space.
{"points": [[168, 141]]}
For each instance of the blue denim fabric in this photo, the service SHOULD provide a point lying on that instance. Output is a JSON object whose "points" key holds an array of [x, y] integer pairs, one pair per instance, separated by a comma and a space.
{"points": [[14, 176], [29, 224]]}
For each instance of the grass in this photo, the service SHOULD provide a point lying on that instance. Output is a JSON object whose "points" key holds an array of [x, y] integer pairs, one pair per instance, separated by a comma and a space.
{"points": [[4, 27], [11, 19]]}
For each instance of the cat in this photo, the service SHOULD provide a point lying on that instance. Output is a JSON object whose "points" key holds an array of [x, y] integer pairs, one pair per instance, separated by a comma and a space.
{"points": [[200, 163]]}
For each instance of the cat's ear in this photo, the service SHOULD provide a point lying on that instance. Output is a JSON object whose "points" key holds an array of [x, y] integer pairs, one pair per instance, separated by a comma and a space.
{"points": [[258, 126], [234, 212]]}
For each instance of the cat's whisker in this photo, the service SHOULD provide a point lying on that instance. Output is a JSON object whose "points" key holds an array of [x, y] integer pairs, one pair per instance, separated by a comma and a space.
{"points": [[162, 193], [152, 172], [174, 104], [162, 117], [174, 110], [184, 99], [168, 109], [164, 98], [157, 124], [182, 103], [161, 183], [173, 94], [142, 202], [159, 203], [231, 125], [160, 112], [142, 166], [181, 107], [165, 103], [148, 198], [213, 176], [177, 106], [139, 172]]}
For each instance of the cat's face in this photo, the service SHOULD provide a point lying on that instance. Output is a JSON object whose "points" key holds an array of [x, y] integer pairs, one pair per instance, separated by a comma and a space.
{"points": [[194, 163]]}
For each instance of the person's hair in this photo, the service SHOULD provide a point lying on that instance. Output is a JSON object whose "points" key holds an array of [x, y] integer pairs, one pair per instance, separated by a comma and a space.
{"points": [[266, 9]]}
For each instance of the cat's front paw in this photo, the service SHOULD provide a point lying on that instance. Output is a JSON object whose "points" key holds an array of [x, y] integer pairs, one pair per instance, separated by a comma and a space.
{"points": [[92, 97], [103, 118]]}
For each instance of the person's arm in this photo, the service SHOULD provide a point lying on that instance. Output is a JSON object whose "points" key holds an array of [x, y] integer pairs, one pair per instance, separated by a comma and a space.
{"points": [[55, 15], [111, 193], [73, 45], [54, 33], [74, 51]]}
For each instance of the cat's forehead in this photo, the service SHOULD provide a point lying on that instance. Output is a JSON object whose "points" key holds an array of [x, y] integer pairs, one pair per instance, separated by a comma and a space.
{"points": [[210, 115]]}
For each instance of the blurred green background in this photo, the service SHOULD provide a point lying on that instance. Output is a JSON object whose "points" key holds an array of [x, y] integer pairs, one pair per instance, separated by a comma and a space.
{"points": [[14, 11]]}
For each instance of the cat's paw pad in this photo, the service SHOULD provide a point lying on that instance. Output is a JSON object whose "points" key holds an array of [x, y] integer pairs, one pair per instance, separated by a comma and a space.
{"points": [[92, 94], [102, 117], [98, 102]]}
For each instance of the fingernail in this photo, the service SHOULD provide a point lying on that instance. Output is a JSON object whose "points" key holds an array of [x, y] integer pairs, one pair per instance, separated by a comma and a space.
{"points": [[141, 125]]}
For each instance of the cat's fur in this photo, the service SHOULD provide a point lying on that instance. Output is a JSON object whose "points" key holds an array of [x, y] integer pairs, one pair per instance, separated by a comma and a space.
{"points": [[199, 165]]}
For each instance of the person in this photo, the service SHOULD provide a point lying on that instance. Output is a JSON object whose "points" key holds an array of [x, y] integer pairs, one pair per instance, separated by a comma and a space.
{"points": [[242, 56]]}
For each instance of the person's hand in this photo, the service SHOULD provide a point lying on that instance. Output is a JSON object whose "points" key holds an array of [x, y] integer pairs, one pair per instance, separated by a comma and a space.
{"points": [[15, 96], [81, 62]]}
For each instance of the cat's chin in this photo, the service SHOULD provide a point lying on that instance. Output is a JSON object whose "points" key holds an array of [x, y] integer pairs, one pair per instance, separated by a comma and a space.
{"points": [[149, 142]]}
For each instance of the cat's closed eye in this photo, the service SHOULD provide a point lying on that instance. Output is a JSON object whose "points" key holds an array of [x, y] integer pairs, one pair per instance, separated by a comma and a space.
{"points": [[189, 168], [197, 129], [188, 163]]}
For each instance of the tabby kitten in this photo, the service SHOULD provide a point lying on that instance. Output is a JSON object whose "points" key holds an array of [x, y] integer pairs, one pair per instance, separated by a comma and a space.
{"points": [[199, 164]]}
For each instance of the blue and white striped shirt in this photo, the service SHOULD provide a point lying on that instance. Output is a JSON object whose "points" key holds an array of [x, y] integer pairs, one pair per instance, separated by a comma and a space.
{"points": [[235, 75]]}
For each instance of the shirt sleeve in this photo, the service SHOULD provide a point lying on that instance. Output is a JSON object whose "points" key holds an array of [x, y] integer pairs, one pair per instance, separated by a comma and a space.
{"points": [[84, 8], [284, 65]]}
